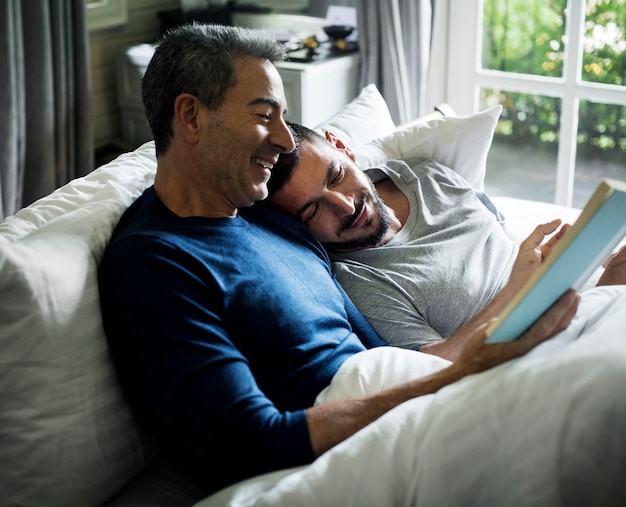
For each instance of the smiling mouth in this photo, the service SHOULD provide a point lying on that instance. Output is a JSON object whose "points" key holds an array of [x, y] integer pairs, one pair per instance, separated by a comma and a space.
{"points": [[358, 218], [263, 163]]}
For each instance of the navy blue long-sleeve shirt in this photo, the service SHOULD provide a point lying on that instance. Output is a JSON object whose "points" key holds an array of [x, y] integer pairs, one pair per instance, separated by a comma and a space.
{"points": [[224, 331]]}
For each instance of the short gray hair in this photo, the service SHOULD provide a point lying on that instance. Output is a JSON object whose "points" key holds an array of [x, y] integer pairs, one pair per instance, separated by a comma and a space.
{"points": [[197, 59]]}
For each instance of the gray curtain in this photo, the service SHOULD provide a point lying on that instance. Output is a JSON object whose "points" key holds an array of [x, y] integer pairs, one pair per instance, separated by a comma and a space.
{"points": [[45, 124], [395, 40]]}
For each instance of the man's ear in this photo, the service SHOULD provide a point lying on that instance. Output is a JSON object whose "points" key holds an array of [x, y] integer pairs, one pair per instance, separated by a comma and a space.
{"points": [[186, 116], [340, 145]]}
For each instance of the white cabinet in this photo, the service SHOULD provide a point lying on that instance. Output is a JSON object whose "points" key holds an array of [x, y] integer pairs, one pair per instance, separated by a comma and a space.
{"points": [[314, 91], [317, 90]]}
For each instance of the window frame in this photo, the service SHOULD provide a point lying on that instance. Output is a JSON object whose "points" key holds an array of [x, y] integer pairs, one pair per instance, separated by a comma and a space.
{"points": [[465, 78]]}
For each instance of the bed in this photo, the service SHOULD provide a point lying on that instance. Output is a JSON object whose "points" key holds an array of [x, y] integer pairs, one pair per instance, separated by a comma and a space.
{"points": [[547, 429]]}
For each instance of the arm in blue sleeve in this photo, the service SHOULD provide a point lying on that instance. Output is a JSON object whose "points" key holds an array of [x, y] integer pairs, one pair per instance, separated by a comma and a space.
{"points": [[181, 369]]}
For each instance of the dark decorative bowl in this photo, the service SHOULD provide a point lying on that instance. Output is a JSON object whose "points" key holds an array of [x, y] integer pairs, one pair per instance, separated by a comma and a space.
{"points": [[338, 32]]}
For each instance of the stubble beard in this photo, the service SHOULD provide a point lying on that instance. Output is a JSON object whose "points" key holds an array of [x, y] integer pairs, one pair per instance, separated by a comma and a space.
{"points": [[373, 239]]}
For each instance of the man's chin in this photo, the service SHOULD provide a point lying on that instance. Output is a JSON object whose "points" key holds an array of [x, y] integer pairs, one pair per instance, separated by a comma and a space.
{"points": [[352, 245], [262, 196], [372, 240], [255, 196]]}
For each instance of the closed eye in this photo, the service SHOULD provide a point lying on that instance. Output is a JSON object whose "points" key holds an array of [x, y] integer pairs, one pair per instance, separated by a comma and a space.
{"points": [[336, 176], [309, 215]]}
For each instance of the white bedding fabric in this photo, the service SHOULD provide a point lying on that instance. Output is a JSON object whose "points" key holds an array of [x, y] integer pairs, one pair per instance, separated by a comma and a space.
{"points": [[544, 430]]}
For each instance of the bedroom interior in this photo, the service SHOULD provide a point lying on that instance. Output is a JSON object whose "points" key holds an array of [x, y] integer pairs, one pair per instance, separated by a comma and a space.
{"points": [[67, 435]]}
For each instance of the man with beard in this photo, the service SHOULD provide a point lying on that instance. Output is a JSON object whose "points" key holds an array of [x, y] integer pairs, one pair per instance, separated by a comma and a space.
{"points": [[421, 252]]}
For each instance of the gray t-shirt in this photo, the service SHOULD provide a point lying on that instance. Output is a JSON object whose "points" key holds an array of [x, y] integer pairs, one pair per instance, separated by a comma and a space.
{"points": [[448, 261]]}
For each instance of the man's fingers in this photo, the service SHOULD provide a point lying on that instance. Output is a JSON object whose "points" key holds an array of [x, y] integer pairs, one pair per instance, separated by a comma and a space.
{"points": [[547, 247], [540, 232], [620, 253], [548, 228], [569, 314], [555, 320], [554, 239], [614, 269]]}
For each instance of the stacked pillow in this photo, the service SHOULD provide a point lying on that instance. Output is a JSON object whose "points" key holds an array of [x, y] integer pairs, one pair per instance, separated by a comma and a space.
{"points": [[67, 436]]}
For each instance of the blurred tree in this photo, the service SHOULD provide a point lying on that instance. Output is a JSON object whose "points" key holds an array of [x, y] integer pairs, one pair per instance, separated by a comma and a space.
{"points": [[528, 37]]}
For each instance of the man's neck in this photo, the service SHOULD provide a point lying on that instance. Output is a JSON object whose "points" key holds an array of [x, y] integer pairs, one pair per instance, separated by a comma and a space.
{"points": [[187, 196]]}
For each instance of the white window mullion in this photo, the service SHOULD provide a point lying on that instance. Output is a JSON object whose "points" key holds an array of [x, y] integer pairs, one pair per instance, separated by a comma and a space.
{"points": [[522, 83], [566, 159], [463, 30]]}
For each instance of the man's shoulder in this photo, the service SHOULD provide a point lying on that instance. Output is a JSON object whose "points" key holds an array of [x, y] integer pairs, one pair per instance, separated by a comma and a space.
{"points": [[285, 227], [134, 215]]}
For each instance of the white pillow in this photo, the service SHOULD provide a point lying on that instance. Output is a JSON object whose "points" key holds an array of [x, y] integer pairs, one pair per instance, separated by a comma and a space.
{"points": [[134, 170], [460, 143], [67, 435], [365, 118]]}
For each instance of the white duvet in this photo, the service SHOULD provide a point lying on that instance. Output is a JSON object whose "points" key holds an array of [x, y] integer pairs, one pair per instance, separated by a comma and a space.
{"points": [[547, 429]]}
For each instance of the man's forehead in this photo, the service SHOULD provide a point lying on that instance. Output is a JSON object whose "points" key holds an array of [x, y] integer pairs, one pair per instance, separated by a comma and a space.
{"points": [[313, 156], [317, 149], [292, 196], [260, 79]]}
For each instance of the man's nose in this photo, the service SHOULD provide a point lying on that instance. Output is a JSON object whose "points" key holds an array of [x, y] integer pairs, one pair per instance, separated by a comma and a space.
{"points": [[282, 138], [341, 204]]}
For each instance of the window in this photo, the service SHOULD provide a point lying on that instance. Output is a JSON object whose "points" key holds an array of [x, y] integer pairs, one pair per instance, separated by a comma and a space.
{"points": [[558, 67]]}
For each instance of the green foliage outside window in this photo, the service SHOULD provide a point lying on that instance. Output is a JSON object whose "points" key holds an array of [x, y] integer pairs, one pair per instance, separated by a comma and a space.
{"points": [[528, 37], [524, 36], [604, 56]]}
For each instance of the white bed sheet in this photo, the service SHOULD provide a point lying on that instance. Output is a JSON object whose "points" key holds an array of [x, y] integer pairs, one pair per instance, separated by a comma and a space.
{"points": [[547, 429], [522, 215]]}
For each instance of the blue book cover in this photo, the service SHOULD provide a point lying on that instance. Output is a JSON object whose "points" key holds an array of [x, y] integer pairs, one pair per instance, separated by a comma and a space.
{"points": [[582, 249]]}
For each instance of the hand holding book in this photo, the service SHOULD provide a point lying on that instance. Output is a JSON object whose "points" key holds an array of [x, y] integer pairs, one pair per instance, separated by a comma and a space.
{"points": [[615, 269], [584, 246]]}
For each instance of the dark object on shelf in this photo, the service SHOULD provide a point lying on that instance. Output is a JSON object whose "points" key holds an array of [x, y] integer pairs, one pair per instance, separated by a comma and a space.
{"points": [[311, 44], [338, 35], [313, 50], [336, 32]]}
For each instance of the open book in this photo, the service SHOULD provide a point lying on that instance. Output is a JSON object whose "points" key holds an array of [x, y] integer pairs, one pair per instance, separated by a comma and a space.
{"points": [[589, 242]]}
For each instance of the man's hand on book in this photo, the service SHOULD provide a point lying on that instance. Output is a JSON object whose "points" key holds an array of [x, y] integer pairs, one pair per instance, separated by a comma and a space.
{"points": [[533, 251], [478, 356], [614, 269]]}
